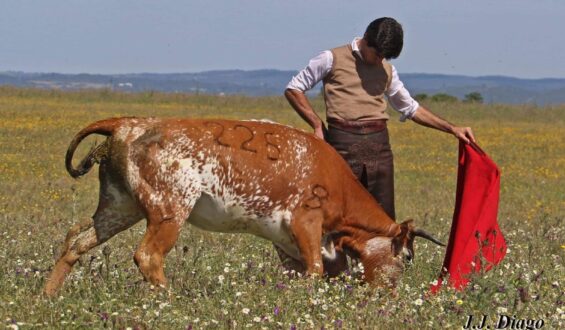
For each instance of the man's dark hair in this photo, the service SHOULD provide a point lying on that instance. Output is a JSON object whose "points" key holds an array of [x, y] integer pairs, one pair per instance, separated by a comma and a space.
{"points": [[386, 36]]}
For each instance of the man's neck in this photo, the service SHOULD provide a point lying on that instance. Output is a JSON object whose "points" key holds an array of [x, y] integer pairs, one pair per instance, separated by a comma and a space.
{"points": [[368, 54]]}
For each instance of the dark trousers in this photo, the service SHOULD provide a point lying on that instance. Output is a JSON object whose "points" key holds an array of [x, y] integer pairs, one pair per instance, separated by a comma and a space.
{"points": [[370, 158]]}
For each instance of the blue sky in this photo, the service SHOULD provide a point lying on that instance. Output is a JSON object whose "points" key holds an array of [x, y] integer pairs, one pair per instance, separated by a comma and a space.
{"points": [[517, 38]]}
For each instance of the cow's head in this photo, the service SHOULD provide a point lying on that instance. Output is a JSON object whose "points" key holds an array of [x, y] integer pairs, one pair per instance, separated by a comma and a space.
{"points": [[384, 257]]}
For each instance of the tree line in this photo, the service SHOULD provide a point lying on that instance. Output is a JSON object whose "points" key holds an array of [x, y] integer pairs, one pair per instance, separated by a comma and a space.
{"points": [[473, 97]]}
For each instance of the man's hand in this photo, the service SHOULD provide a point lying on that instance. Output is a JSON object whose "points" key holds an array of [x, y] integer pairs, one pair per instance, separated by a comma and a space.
{"points": [[464, 134], [319, 132]]}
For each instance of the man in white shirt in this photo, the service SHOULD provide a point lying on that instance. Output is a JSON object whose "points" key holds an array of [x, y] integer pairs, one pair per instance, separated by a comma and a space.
{"points": [[358, 81]]}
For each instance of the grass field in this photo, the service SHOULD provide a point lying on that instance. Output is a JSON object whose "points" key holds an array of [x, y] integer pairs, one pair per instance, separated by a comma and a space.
{"points": [[234, 281]]}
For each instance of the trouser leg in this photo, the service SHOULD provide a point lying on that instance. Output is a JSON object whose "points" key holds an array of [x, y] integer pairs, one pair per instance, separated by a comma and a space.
{"points": [[370, 158], [381, 182]]}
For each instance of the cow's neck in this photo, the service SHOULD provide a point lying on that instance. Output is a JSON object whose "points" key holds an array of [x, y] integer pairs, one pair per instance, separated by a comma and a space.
{"points": [[365, 214]]}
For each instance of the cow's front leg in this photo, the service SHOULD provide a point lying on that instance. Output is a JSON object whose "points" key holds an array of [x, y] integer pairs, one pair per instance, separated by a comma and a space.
{"points": [[307, 230], [288, 262]]}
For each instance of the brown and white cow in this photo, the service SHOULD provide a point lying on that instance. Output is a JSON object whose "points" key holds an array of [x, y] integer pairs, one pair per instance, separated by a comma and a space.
{"points": [[270, 180]]}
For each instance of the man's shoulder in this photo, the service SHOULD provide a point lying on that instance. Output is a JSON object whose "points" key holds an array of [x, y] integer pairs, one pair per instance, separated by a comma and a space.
{"points": [[346, 47]]}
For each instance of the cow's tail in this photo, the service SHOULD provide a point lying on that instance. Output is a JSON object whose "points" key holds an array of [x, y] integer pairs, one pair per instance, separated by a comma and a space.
{"points": [[103, 127]]}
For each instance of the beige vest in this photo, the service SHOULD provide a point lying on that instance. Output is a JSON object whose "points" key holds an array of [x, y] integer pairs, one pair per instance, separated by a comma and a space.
{"points": [[354, 90]]}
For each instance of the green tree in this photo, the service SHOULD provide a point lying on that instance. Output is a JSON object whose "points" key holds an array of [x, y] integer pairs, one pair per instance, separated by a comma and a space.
{"points": [[421, 97], [474, 97], [443, 97]]}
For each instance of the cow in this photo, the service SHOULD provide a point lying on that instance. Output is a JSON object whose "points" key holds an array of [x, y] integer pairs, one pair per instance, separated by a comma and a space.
{"points": [[263, 178]]}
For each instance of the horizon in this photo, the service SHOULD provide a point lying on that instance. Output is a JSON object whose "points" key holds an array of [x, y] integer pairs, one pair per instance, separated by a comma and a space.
{"points": [[483, 38], [268, 69]]}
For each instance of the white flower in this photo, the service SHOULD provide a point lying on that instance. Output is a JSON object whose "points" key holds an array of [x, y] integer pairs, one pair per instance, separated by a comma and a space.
{"points": [[221, 279], [238, 294], [245, 311], [418, 302], [501, 310], [257, 319], [196, 320], [226, 270]]}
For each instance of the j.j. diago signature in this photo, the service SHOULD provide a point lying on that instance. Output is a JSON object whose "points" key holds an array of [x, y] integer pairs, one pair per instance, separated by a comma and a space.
{"points": [[502, 321]]}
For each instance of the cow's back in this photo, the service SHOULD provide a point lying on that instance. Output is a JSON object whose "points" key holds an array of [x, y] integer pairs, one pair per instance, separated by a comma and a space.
{"points": [[254, 158], [250, 176]]}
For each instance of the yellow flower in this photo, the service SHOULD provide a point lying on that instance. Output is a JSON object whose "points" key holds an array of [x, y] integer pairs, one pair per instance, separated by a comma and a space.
{"points": [[459, 302]]}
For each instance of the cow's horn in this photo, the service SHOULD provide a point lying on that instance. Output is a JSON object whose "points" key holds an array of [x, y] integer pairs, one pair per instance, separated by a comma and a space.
{"points": [[426, 235]]}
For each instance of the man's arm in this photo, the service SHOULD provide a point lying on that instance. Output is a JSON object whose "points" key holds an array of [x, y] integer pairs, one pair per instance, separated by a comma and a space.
{"points": [[301, 105], [400, 100], [427, 118], [317, 68]]}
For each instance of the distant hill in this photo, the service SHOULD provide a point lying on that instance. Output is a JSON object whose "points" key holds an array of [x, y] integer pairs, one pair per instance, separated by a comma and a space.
{"points": [[494, 89]]}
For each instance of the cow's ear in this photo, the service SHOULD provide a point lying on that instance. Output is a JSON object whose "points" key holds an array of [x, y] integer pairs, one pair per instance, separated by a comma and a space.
{"points": [[408, 224], [397, 242], [406, 227]]}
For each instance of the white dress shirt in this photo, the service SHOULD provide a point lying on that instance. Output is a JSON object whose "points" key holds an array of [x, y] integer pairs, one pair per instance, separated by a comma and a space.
{"points": [[319, 66]]}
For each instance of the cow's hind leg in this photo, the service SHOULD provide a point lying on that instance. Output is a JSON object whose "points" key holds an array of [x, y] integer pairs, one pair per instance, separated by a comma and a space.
{"points": [[80, 239], [164, 222], [116, 212], [159, 239]]}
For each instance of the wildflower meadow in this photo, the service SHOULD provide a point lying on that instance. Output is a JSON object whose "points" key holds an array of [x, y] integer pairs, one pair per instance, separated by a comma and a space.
{"points": [[227, 281]]}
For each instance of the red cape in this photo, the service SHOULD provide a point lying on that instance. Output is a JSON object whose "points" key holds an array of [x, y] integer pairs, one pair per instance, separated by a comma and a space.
{"points": [[476, 241]]}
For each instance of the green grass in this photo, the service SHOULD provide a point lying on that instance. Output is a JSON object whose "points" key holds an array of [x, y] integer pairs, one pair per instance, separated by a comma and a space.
{"points": [[234, 281]]}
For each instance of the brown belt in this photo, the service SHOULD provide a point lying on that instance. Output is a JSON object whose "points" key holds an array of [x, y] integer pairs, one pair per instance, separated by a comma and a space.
{"points": [[358, 127]]}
